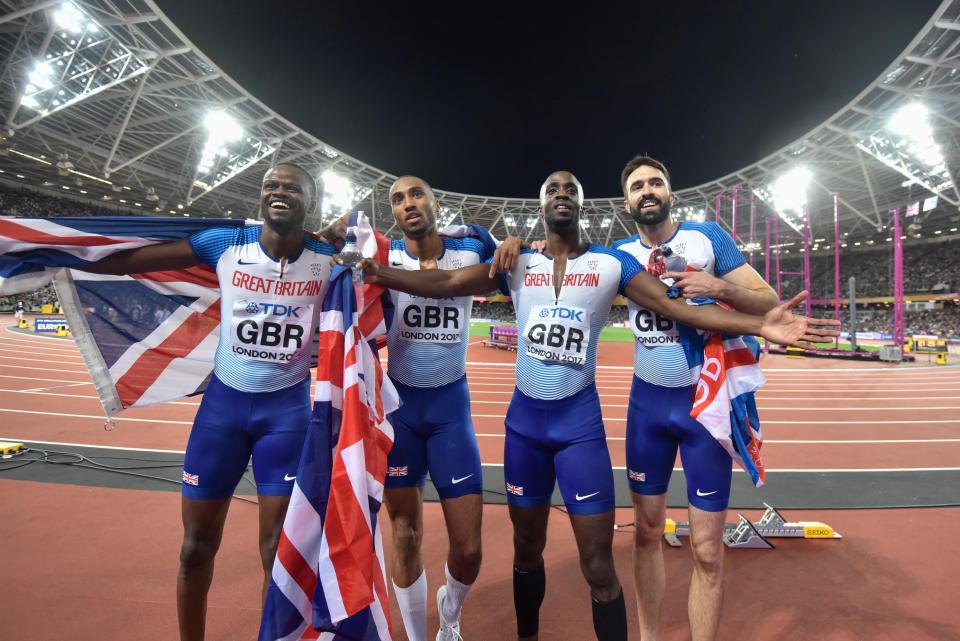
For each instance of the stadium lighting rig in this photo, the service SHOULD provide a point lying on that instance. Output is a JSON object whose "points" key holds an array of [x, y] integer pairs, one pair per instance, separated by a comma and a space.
{"points": [[698, 214], [79, 59], [445, 216], [787, 195], [340, 194], [905, 142], [227, 151]]}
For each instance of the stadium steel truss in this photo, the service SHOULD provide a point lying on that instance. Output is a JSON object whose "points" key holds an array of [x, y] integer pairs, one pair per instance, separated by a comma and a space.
{"points": [[108, 100]]}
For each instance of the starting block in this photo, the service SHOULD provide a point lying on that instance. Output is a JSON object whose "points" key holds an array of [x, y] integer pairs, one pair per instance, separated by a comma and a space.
{"points": [[63, 331], [746, 534], [22, 324], [8, 449]]}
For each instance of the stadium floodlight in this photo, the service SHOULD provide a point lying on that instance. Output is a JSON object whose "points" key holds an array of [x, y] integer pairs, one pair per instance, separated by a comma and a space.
{"points": [[584, 223], [222, 129], [911, 122], [445, 216], [69, 17], [338, 194], [787, 196], [509, 221], [606, 222], [40, 77], [531, 221]]}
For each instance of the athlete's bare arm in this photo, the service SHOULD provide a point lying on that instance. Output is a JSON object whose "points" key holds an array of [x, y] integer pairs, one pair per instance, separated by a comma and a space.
{"points": [[432, 283], [778, 325], [741, 288], [152, 258]]}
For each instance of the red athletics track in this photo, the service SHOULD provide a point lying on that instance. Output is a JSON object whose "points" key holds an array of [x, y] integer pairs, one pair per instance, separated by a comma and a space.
{"points": [[98, 563]]}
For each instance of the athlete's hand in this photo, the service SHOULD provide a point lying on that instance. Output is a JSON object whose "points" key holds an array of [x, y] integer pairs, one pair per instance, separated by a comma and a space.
{"points": [[780, 325], [505, 257], [538, 246], [337, 230], [697, 284], [370, 267]]}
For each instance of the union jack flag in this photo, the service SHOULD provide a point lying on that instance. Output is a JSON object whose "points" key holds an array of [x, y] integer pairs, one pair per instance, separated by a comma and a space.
{"points": [[146, 338], [329, 578]]}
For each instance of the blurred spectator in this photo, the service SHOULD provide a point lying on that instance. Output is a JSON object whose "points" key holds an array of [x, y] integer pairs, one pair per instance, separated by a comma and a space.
{"points": [[28, 203]]}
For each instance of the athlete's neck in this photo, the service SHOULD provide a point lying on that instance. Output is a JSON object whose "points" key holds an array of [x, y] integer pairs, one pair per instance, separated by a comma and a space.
{"points": [[286, 244], [565, 243], [655, 234], [427, 247]]}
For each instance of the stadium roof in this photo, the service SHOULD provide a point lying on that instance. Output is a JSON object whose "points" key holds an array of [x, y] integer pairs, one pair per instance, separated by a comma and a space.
{"points": [[109, 100]]}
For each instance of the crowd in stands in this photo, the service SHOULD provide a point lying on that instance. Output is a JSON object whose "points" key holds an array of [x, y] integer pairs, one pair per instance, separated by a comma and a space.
{"points": [[942, 322], [25, 202], [32, 301], [927, 268]]}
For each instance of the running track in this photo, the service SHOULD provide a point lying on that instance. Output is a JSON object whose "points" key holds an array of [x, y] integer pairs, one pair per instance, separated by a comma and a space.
{"points": [[817, 414]]}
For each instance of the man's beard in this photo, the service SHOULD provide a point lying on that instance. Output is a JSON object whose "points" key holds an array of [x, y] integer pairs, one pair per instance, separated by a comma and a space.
{"points": [[556, 223], [644, 218], [282, 225]]}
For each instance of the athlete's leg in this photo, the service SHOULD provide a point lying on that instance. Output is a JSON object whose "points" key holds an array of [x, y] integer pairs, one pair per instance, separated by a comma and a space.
{"points": [[203, 521], [649, 577], [705, 600], [405, 509], [273, 509], [529, 579]]}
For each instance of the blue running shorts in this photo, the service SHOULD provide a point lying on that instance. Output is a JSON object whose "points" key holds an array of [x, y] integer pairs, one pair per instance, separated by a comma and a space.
{"points": [[433, 431], [658, 423], [231, 425], [560, 442]]}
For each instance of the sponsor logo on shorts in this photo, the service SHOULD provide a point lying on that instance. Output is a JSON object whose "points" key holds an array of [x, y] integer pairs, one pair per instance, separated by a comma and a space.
{"points": [[699, 493], [191, 479], [288, 477], [586, 496], [634, 475], [515, 489], [398, 470], [455, 480]]}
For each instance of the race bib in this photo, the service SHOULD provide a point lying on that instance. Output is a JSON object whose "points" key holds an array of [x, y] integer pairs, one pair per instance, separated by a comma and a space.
{"points": [[429, 320], [268, 331], [652, 329], [558, 333]]}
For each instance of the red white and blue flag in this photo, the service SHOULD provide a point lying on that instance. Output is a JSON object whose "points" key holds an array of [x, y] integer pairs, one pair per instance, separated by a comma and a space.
{"points": [[146, 338], [728, 376], [329, 578]]}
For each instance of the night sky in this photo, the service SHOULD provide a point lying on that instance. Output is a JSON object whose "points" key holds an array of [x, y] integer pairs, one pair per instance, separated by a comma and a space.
{"points": [[488, 98]]}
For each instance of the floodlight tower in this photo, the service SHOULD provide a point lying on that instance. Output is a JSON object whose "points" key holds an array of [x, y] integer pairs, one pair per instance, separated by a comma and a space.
{"points": [[787, 196]]}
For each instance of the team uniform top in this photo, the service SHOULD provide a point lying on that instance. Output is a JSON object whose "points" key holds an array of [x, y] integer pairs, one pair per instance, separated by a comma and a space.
{"points": [[268, 314], [658, 355], [557, 335], [428, 338]]}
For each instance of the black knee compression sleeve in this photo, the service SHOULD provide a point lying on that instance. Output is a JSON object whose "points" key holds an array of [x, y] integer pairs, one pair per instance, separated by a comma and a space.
{"points": [[610, 619], [529, 586]]}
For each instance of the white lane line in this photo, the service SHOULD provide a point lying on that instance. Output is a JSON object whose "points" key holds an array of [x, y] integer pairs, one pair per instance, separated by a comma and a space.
{"points": [[803, 442], [46, 369], [41, 391], [769, 408], [18, 349], [99, 447], [45, 380], [610, 419], [42, 357], [99, 418]]}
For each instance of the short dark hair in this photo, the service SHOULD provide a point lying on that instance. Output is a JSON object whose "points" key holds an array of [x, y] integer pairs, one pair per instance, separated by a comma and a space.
{"points": [[311, 181], [640, 161]]}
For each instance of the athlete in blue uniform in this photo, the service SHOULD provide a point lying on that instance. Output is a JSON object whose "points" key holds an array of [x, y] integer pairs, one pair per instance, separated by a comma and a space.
{"points": [[554, 426], [661, 397], [433, 431], [272, 279]]}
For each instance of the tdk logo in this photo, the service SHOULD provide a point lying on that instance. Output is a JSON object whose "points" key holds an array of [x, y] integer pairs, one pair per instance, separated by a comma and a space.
{"points": [[562, 313], [252, 308], [275, 309]]}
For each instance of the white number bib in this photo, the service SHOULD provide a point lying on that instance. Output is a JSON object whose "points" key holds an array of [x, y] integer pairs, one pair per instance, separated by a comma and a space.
{"points": [[428, 320], [558, 333], [651, 329], [271, 332]]}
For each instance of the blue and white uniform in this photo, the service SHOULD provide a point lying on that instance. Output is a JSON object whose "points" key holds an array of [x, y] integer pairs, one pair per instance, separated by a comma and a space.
{"points": [[258, 399], [427, 347], [658, 416], [554, 428]]}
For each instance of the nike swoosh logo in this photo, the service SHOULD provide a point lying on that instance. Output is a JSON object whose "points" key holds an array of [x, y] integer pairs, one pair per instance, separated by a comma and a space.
{"points": [[455, 480], [586, 496], [532, 266], [699, 493], [240, 262], [396, 264], [287, 477]]}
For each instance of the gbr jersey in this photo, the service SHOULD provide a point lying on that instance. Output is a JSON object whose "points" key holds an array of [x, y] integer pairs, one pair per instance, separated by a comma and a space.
{"points": [[428, 338], [557, 336], [268, 312], [658, 355]]}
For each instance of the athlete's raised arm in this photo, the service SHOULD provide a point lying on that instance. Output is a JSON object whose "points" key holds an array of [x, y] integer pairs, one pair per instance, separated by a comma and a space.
{"points": [[152, 258], [778, 325], [432, 283]]}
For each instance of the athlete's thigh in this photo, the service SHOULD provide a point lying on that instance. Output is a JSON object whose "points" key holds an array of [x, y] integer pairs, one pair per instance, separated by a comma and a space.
{"points": [[280, 421], [528, 469], [452, 453], [407, 459], [707, 467], [651, 448], [585, 476], [219, 445]]}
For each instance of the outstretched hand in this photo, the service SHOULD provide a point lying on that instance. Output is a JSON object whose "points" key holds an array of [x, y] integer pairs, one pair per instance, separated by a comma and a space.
{"points": [[781, 325], [370, 267], [506, 256]]}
